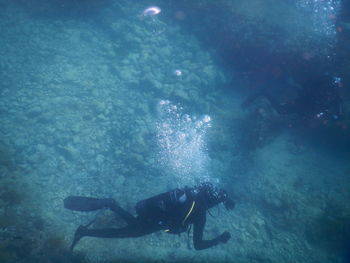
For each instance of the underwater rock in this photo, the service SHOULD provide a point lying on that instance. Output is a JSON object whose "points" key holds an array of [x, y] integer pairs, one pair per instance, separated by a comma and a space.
{"points": [[181, 94], [11, 197], [45, 120], [6, 221], [6, 255], [167, 89], [151, 82], [209, 72], [165, 51], [331, 228], [126, 74], [119, 180], [39, 224], [66, 152], [136, 158], [139, 144], [34, 112], [100, 159], [211, 98], [193, 79], [101, 117]]}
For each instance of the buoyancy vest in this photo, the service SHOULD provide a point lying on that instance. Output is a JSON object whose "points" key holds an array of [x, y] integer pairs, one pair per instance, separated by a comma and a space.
{"points": [[169, 211]]}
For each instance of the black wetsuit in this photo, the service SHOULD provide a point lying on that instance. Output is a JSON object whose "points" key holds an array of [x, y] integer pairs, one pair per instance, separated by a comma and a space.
{"points": [[173, 212]]}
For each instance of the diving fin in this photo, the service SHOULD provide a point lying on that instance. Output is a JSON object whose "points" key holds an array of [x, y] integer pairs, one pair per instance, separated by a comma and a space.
{"points": [[81, 203], [79, 234]]}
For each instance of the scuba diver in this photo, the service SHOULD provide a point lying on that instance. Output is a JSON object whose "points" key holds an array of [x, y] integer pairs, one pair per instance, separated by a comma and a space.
{"points": [[172, 211]]}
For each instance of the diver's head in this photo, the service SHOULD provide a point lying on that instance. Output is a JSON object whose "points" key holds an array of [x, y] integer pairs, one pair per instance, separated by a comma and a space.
{"points": [[213, 196]]}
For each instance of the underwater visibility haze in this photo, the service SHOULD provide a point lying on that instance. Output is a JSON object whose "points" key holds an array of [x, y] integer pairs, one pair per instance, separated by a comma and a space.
{"points": [[126, 100]]}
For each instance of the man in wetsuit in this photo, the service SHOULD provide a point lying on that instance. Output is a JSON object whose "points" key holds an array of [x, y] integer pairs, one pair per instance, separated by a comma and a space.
{"points": [[173, 212]]}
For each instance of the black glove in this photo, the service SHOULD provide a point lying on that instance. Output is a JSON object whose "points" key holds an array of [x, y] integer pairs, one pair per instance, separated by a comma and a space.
{"points": [[225, 237]]}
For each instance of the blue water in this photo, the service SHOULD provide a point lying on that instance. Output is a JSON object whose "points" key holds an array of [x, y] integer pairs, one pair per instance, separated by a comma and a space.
{"points": [[105, 99]]}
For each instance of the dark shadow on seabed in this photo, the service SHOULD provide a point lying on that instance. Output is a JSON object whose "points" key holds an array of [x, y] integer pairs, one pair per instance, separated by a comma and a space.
{"points": [[245, 50]]}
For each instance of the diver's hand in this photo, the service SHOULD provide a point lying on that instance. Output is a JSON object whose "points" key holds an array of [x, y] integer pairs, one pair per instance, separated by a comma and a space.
{"points": [[224, 237]]}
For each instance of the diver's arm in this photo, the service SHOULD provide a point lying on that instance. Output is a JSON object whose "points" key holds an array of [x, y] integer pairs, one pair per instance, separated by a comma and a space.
{"points": [[198, 228]]}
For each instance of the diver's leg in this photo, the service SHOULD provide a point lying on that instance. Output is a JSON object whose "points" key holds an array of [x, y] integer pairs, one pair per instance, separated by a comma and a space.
{"points": [[135, 230], [86, 204], [127, 231], [129, 218]]}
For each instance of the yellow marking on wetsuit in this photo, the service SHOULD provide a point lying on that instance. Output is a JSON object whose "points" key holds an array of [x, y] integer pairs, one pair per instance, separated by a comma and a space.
{"points": [[189, 212]]}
